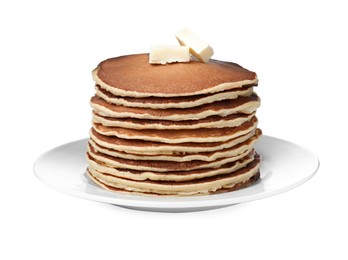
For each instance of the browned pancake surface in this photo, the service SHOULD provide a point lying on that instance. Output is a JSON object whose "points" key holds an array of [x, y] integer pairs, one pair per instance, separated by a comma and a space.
{"points": [[135, 73], [237, 186], [159, 113], [168, 123], [160, 165], [113, 140], [178, 134], [194, 173], [167, 100]]}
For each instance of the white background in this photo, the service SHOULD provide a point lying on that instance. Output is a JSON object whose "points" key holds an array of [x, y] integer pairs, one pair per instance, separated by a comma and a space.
{"points": [[48, 50]]}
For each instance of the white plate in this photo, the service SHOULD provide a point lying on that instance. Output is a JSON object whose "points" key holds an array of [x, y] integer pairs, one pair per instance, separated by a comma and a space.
{"points": [[284, 166]]}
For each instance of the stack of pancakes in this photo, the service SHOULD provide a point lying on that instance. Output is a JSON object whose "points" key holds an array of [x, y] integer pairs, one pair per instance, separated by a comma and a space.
{"points": [[175, 129]]}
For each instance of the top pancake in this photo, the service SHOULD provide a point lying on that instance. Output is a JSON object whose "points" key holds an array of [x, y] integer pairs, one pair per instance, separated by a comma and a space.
{"points": [[134, 76]]}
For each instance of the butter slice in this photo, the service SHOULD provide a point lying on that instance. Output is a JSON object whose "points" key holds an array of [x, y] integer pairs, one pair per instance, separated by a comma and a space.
{"points": [[198, 48], [162, 54]]}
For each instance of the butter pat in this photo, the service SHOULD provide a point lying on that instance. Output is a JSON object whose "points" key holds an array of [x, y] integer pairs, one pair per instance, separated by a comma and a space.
{"points": [[198, 48], [162, 54]]}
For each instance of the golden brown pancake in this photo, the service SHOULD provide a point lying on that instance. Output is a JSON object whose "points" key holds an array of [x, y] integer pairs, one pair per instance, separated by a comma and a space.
{"points": [[173, 102], [142, 147], [134, 76], [246, 105], [201, 135], [233, 187], [208, 122]]}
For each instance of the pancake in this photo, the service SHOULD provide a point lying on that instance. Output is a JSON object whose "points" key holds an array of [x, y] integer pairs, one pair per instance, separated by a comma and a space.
{"points": [[205, 156], [160, 166], [170, 176], [141, 147], [227, 188], [246, 105], [204, 185], [201, 135], [173, 102], [134, 76], [208, 122]]}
